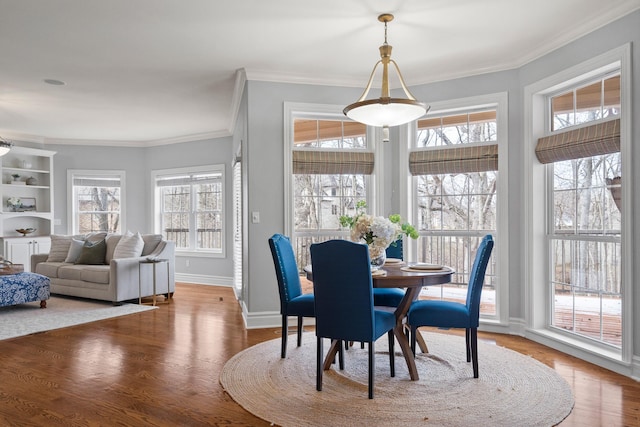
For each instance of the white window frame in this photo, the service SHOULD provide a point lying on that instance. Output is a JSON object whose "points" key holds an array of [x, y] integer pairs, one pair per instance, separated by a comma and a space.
{"points": [[293, 111], [536, 262], [498, 101], [157, 211], [71, 203]]}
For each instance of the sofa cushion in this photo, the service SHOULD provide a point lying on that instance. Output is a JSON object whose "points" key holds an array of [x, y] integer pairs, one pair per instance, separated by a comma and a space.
{"points": [[49, 269], [59, 248], [95, 274], [93, 253], [75, 249], [129, 246], [112, 242], [70, 271], [95, 236], [150, 243], [86, 273]]}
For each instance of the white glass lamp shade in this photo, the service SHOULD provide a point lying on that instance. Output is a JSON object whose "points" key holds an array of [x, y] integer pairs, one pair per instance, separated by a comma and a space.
{"points": [[387, 112], [4, 147]]}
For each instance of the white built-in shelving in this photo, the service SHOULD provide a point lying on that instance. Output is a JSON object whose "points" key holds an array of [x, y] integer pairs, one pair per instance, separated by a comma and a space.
{"points": [[34, 187]]}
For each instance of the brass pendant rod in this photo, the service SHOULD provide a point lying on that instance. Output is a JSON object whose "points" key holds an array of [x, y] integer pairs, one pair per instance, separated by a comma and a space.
{"points": [[369, 83], [404, 86]]}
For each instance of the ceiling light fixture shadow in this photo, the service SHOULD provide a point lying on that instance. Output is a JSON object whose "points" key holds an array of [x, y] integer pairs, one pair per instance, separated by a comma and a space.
{"points": [[386, 111]]}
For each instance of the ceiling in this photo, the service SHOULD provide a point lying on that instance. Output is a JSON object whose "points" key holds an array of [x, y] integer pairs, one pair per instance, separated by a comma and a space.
{"points": [[159, 71]]}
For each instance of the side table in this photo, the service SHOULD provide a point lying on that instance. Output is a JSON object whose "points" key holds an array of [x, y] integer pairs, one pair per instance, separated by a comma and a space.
{"points": [[153, 262]]}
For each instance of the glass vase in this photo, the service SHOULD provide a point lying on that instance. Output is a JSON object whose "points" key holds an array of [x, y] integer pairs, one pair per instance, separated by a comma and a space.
{"points": [[377, 256]]}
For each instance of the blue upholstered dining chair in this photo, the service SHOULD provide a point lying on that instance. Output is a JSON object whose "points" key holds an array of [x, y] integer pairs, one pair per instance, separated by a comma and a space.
{"points": [[449, 314], [343, 291], [292, 301], [390, 297]]}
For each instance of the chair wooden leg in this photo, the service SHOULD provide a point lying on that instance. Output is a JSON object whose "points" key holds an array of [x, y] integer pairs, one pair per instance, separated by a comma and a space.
{"points": [[392, 359], [319, 364], [474, 351], [285, 327], [414, 331], [467, 336], [299, 331], [421, 342], [372, 367]]}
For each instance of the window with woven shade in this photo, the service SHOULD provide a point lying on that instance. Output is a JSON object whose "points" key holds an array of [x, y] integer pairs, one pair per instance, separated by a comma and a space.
{"points": [[454, 164], [331, 166], [582, 152]]}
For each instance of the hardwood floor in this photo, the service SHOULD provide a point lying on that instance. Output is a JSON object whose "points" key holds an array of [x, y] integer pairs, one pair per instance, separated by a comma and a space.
{"points": [[161, 368]]}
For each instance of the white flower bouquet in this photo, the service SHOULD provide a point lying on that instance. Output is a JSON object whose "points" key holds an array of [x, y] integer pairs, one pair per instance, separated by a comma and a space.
{"points": [[13, 202], [377, 232]]}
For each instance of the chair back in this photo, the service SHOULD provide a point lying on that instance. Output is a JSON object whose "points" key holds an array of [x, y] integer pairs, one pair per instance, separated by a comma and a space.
{"points": [[343, 290], [287, 272], [395, 250], [476, 279]]}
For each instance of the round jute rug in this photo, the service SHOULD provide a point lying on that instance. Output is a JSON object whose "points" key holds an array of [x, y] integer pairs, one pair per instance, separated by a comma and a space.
{"points": [[513, 389]]}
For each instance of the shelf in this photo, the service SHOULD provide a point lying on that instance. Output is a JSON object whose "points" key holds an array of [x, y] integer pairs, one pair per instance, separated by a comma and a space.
{"points": [[12, 186], [24, 171], [25, 213], [40, 167]]}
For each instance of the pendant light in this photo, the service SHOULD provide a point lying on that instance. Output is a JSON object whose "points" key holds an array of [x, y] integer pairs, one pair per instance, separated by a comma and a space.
{"points": [[385, 111], [5, 146]]}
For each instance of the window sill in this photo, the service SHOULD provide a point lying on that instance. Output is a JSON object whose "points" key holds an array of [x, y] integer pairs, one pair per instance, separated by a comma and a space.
{"points": [[199, 254], [608, 358]]}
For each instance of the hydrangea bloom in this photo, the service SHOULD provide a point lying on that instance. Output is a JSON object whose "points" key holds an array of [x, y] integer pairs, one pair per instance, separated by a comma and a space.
{"points": [[376, 231]]}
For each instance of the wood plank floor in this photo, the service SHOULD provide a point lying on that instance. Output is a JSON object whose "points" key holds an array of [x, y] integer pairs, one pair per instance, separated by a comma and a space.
{"points": [[161, 368]]}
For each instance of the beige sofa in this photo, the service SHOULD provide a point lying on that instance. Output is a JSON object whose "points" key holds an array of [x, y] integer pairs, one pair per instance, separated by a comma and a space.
{"points": [[118, 279]]}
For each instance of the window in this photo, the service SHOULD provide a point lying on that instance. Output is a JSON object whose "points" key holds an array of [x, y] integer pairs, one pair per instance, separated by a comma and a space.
{"points": [[584, 167], [453, 162], [97, 201], [331, 164], [189, 207]]}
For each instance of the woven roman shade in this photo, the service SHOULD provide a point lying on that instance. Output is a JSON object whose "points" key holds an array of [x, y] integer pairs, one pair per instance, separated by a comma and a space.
{"points": [[477, 158], [595, 140], [332, 162]]}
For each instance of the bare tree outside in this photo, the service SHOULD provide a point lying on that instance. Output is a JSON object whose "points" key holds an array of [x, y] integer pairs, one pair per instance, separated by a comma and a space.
{"points": [[98, 209], [455, 210], [586, 222], [321, 199]]}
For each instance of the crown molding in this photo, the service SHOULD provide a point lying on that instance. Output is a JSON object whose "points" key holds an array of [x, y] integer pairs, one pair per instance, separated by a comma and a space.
{"points": [[138, 144], [24, 137], [279, 77], [236, 99]]}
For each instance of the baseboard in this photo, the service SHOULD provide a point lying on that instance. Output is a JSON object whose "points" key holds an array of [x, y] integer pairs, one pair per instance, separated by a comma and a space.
{"points": [[201, 279], [271, 319]]}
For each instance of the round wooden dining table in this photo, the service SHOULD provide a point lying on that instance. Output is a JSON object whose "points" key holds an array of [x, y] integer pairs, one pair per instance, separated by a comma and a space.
{"points": [[400, 275]]}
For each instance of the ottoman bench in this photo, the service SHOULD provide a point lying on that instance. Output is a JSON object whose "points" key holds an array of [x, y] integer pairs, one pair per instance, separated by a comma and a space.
{"points": [[24, 287]]}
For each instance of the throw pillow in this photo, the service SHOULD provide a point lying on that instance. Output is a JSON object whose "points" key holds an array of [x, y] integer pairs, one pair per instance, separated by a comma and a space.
{"points": [[129, 246], [150, 243], [59, 248], [92, 253], [75, 249], [95, 236]]}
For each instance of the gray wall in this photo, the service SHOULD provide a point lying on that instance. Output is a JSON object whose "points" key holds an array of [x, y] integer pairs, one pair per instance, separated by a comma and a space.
{"points": [[259, 130], [265, 162], [617, 34], [264, 155], [138, 164]]}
